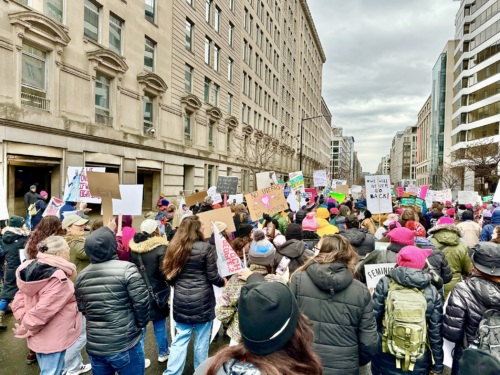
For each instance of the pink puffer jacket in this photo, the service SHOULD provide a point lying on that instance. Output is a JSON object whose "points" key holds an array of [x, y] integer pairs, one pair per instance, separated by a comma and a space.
{"points": [[45, 304]]}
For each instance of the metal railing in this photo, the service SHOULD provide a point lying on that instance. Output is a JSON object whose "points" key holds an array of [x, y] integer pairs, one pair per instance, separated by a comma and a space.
{"points": [[35, 101]]}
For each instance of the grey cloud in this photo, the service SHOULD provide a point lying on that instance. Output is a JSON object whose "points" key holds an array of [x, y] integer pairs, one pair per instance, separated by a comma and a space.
{"points": [[379, 60]]}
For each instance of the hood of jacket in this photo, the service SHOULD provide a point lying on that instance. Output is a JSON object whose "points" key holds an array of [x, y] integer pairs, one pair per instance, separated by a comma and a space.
{"points": [[101, 245], [495, 217], [355, 236], [141, 245], [11, 234], [332, 277], [446, 234], [340, 220], [410, 277], [292, 249], [486, 291], [235, 367]]}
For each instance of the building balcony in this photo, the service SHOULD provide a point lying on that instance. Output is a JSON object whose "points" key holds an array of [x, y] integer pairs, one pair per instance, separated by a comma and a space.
{"points": [[35, 101]]}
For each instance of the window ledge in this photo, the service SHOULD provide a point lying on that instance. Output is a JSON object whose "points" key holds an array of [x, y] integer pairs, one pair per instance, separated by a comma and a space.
{"points": [[152, 23], [91, 41]]}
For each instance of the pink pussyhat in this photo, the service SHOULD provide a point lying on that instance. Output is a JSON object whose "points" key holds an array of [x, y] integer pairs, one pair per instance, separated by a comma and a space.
{"points": [[413, 257]]}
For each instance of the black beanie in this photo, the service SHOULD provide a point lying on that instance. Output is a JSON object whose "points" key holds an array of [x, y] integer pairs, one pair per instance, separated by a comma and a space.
{"points": [[268, 314], [299, 216], [244, 230], [293, 232]]}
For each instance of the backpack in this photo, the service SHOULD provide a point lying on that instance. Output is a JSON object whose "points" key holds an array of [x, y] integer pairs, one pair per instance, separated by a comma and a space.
{"points": [[405, 333], [488, 333], [32, 211]]}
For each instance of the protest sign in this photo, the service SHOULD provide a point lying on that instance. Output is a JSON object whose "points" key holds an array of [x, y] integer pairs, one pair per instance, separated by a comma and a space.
{"points": [[53, 208], [311, 194], [339, 197], [320, 178], [423, 191], [131, 202], [381, 245], [342, 189], [407, 201], [419, 202], [227, 184], [266, 179], [297, 181], [375, 272], [356, 189], [465, 197], [269, 201], [217, 198], [294, 203], [378, 194], [76, 188], [104, 185], [412, 189], [401, 191], [221, 214], [4, 213], [489, 198], [228, 262], [496, 197], [443, 195], [235, 199], [195, 198]]}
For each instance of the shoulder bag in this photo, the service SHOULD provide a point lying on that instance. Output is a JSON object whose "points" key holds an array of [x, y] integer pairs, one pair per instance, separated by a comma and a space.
{"points": [[160, 298]]}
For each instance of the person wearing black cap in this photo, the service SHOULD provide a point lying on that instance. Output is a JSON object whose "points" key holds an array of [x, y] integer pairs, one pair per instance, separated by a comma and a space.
{"points": [[471, 298], [241, 244], [276, 338]]}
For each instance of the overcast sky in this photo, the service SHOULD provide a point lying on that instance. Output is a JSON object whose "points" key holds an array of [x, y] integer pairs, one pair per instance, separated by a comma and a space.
{"points": [[380, 55]]}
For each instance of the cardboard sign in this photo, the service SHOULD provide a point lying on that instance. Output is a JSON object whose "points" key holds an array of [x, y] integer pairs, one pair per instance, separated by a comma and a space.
{"points": [[131, 202], [375, 272], [378, 194], [266, 179], [342, 189], [236, 198], [227, 185], [311, 194], [76, 188], [338, 197], [104, 185], [53, 208], [222, 214], [465, 197], [269, 201], [297, 182], [217, 197], [196, 198], [228, 262], [320, 178]]}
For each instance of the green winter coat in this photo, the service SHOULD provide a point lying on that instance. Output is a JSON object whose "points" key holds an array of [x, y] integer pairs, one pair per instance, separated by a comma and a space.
{"points": [[283, 223], [447, 238]]}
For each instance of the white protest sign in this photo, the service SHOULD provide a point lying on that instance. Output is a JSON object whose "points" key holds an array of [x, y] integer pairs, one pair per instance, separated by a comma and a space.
{"points": [[76, 188], [442, 195], [356, 189], [297, 182], [374, 272], [378, 194], [216, 323], [266, 179], [238, 198], [212, 192], [4, 213], [53, 207], [294, 203], [228, 262], [496, 198], [131, 202], [320, 178], [465, 197], [412, 189]]}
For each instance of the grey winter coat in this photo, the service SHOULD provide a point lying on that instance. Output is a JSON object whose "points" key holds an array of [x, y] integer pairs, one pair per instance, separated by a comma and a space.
{"points": [[345, 332], [385, 363], [113, 297], [194, 300], [361, 240], [296, 251]]}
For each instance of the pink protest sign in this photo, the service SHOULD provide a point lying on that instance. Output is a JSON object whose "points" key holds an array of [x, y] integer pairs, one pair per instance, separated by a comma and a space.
{"points": [[423, 191], [311, 194]]}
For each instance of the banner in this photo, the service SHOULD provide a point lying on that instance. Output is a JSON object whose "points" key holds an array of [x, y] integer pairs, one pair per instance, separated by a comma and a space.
{"points": [[378, 194], [297, 182], [227, 184], [76, 188], [53, 208], [266, 179], [320, 178], [228, 262], [375, 272], [131, 202], [270, 200], [465, 197]]}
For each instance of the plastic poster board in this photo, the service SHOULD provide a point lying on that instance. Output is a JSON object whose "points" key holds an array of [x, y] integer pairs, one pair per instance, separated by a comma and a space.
{"points": [[196, 198], [269, 201], [320, 178], [375, 272], [378, 194], [266, 179], [76, 188], [227, 184], [131, 202], [222, 214]]}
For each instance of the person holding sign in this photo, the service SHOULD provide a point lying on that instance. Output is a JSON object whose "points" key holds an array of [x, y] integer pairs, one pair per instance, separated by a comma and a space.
{"points": [[190, 265]]}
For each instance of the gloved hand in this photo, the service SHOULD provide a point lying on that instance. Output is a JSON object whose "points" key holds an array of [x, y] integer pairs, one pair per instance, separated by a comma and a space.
{"points": [[21, 332]]}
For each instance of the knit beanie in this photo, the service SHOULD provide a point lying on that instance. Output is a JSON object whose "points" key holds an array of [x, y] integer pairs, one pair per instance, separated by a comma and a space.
{"points": [[299, 216], [293, 232], [43, 193], [447, 203], [445, 221], [468, 205], [52, 245], [16, 221], [268, 315], [450, 212], [402, 236], [413, 257], [261, 250], [279, 240], [310, 223], [244, 230], [334, 211], [322, 213]]}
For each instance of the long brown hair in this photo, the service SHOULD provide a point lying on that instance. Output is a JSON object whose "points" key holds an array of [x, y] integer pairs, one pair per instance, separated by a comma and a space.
{"points": [[239, 245], [497, 231], [296, 357], [48, 226], [179, 249]]}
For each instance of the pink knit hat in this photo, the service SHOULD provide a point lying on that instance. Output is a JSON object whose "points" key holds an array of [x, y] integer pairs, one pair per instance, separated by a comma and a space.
{"points": [[402, 236], [43, 193], [310, 223], [447, 203], [279, 240], [399, 211], [334, 210], [468, 205], [446, 221], [413, 257], [450, 212]]}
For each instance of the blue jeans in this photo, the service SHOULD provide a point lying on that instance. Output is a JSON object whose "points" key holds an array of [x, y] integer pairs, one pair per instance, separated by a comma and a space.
{"points": [[130, 362], [4, 302], [51, 364], [178, 350], [73, 359], [161, 336]]}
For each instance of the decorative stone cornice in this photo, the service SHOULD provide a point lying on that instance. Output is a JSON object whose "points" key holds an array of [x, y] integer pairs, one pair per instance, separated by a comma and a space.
{"points": [[247, 129], [191, 101], [231, 122], [108, 59], [259, 135], [40, 25], [152, 82], [314, 32], [214, 113]]}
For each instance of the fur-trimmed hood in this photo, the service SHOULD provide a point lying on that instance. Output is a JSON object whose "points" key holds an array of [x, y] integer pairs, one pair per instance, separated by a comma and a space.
{"points": [[448, 234], [449, 227], [148, 245]]}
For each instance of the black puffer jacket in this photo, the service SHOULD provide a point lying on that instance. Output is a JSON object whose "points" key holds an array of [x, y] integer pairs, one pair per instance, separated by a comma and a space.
{"points": [[152, 250], [345, 332], [13, 240], [385, 363], [467, 303], [194, 300], [361, 240], [296, 251], [113, 297]]}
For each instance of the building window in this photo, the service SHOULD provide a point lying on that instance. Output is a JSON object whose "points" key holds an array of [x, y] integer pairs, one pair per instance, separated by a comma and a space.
{"points": [[210, 175], [228, 140], [190, 2], [189, 35], [230, 70], [216, 58], [149, 54], [230, 36], [208, 10], [115, 34], [217, 19], [148, 115], [188, 78], [208, 43], [91, 20], [34, 78], [216, 95], [150, 10], [229, 103], [102, 105], [53, 9], [211, 134], [187, 125], [207, 90], [231, 5]]}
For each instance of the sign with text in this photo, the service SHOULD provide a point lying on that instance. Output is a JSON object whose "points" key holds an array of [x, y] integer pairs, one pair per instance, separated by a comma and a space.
{"points": [[311, 194], [196, 198], [131, 202], [342, 189], [423, 191], [221, 214], [228, 262], [378, 194], [217, 197], [375, 272], [53, 207], [227, 184], [269, 201], [266, 179], [297, 182], [356, 189], [76, 188], [407, 201], [235, 199], [320, 178], [465, 197]]}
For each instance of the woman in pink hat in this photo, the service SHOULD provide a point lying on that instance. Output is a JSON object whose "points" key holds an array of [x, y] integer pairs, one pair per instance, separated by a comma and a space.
{"points": [[40, 205]]}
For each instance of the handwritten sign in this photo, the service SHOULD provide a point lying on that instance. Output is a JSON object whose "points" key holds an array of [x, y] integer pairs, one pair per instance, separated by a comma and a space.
{"points": [[228, 262], [465, 197], [266, 179], [297, 182], [269, 201], [217, 198], [311, 194], [227, 184], [378, 194], [221, 214], [77, 187], [375, 272], [320, 178], [53, 208]]}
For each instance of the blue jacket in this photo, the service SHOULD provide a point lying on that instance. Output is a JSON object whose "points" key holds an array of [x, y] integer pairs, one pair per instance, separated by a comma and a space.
{"points": [[488, 229]]}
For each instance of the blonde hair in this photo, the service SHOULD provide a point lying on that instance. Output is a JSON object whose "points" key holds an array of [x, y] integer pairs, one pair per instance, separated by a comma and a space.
{"points": [[53, 245]]}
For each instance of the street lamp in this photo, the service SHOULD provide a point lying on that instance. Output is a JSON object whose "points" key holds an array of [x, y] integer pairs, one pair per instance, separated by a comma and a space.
{"points": [[302, 133]]}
